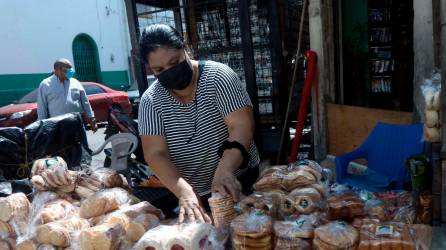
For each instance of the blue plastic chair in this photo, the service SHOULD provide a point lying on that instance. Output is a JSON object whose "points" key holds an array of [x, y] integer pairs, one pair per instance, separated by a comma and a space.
{"points": [[386, 149]]}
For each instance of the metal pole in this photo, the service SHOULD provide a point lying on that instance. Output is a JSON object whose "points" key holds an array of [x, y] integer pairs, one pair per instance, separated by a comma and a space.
{"points": [[443, 107], [132, 20]]}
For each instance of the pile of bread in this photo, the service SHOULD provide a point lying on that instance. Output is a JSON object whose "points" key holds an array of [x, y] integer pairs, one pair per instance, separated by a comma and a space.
{"points": [[293, 208], [74, 210], [432, 115]]}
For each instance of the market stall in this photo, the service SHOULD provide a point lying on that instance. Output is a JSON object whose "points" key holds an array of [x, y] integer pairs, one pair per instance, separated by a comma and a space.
{"points": [[294, 206]]}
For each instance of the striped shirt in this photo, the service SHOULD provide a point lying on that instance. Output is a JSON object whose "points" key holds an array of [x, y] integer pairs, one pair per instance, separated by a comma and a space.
{"points": [[195, 131]]}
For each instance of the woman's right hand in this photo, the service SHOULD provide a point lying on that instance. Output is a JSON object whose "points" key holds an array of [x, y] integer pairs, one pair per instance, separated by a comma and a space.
{"points": [[190, 208]]}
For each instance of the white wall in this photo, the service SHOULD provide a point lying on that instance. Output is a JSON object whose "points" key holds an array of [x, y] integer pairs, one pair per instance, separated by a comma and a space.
{"points": [[34, 34]]}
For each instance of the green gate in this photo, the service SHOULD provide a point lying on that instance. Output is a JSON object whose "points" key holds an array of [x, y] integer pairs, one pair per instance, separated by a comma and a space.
{"points": [[86, 60]]}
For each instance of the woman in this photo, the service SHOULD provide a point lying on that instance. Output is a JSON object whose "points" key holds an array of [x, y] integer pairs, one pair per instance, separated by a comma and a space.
{"points": [[196, 124]]}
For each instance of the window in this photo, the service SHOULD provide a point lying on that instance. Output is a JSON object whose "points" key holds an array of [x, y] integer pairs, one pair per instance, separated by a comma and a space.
{"points": [[91, 89]]}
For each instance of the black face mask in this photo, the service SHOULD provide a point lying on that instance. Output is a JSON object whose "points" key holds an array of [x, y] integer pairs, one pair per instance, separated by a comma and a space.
{"points": [[177, 77]]}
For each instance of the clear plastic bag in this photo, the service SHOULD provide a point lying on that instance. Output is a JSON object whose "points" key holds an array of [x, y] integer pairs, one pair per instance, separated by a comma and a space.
{"points": [[222, 208], [375, 209], [268, 202], [252, 231], [346, 206], [335, 235], [390, 235], [104, 201]]}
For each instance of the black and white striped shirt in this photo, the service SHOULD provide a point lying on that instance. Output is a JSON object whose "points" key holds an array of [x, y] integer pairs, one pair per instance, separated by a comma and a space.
{"points": [[196, 130]]}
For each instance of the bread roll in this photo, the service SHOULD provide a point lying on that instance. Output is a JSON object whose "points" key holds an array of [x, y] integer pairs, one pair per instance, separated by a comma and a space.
{"points": [[431, 118], [345, 207], [335, 235], [6, 230], [101, 237], [298, 178], [14, 206], [270, 182], [58, 233], [429, 100], [156, 238], [103, 202], [300, 228], [432, 134], [305, 200], [39, 183], [190, 237], [8, 244], [41, 165], [436, 103], [386, 236], [26, 245], [46, 247], [83, 192], [273, 169], [56, 210], [109, 178], [141, 224]]}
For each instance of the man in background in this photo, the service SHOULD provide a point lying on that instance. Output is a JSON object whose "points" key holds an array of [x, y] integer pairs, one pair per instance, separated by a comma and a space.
{"points": [[61, 94]]}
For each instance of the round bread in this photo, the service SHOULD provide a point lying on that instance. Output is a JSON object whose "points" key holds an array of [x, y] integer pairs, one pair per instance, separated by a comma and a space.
{"points": [[431, 118], [270, 182], [254, 225], [273, 169], [252, 242], [300, 228], [306, 200], [286, 244], [298, 178], [336, 234]]}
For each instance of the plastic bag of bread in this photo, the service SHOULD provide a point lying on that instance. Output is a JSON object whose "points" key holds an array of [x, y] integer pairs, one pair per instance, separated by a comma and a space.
{"points": [[359, 221], [406, 214], [191, 237], [26, 245], [432, 134], [346, 206], [308, 165], [388, 235], [222, 208], [55, 210], [336, 235], [101, 237], [422, 236], [7, 244], [252, 231], [52, 173], [298, 178], [268, 202], [295, 234], [156, 238], [6, 230], [16, 206], [376, 209], [60, 233], [270, 182], [282, 169], [305, 200], [108, 178], [431, 118], [104, 201]]}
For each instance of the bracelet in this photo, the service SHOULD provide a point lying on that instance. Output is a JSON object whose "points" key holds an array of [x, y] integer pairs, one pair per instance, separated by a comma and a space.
{"points": [[235, 144]]}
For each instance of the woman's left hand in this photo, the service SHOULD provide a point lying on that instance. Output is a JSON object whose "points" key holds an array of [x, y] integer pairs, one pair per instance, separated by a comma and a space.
{"points": [[225, 183]]}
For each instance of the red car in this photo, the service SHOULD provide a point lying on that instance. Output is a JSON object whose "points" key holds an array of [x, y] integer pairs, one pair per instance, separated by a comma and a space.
{"points": [[101, 98]]}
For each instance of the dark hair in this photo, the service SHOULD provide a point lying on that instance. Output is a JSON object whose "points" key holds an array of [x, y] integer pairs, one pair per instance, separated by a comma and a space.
{"points": [[159, 35]]}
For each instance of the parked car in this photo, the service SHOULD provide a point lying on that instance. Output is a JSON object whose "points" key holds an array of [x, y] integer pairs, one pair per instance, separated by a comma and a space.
{"points": [[102, 99]]}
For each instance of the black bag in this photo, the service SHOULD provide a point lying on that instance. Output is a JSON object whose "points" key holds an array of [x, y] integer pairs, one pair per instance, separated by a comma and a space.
{"points": [[58, 136]]}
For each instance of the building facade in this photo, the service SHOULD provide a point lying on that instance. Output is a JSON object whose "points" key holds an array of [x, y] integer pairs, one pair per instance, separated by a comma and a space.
{"points": [[93, 34]]}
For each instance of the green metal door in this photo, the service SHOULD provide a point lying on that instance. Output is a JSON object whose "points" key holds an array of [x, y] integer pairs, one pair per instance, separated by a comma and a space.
{"points": [[85, 55]]}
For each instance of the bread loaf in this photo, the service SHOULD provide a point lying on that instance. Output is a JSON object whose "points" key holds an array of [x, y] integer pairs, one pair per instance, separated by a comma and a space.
{"points": [[8, 244], [432, 134], [345, 207], [103, 202], [385, 236], [190, 237], [156, 238], [56, 210], [335, 235], [26, 245], [141, 224], [305, 200], [46, 247], [6, 230], [101, 237], [109, 178], [14, 206], [431, 118], [58, 233]]}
